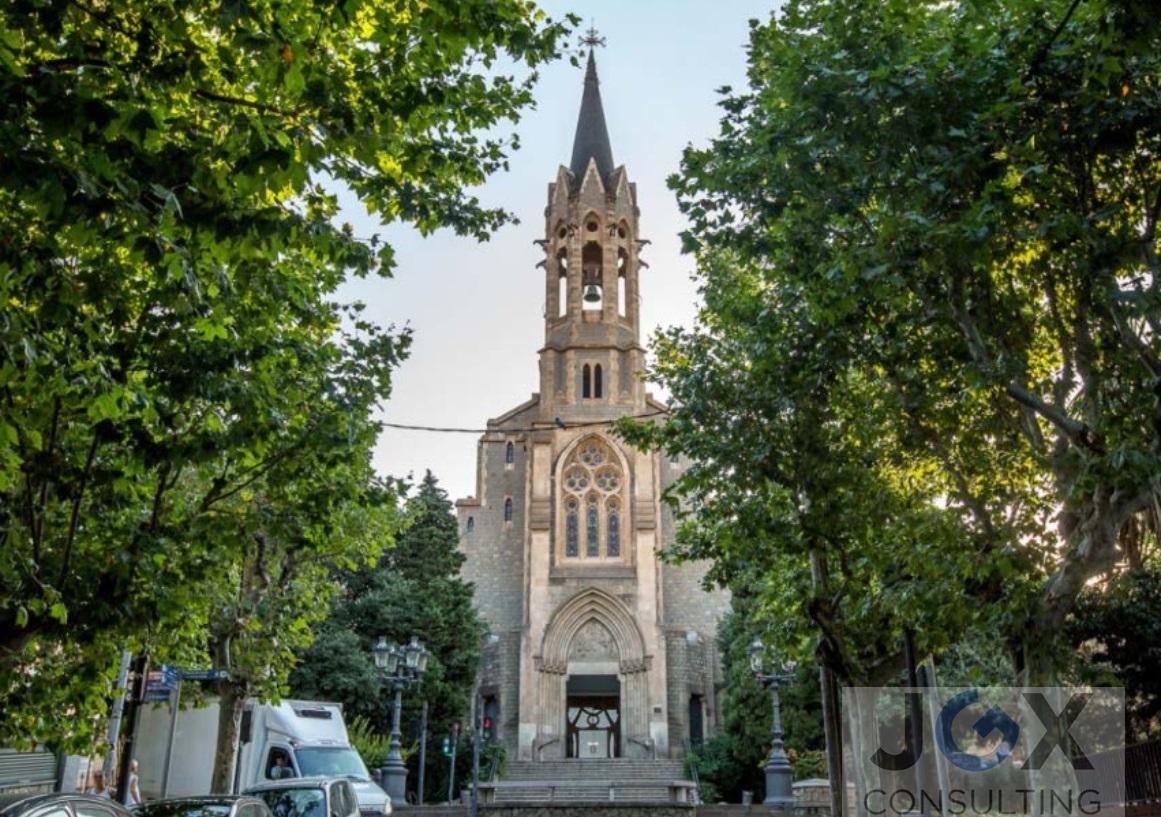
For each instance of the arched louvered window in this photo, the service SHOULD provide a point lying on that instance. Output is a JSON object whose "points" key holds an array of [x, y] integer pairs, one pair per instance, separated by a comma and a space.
{"points": [[586, 382], [471, 525], [509, 454], [508, 509], [597, 381]]}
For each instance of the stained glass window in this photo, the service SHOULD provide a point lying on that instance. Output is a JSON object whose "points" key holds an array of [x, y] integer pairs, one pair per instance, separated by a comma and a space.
{"points": [[592, 476], [570, 547], [592, 550]]}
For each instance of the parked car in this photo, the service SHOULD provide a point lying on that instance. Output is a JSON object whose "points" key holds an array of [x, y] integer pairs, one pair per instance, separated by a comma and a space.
{"points": [[311, 797], [214, 805], [60, 805]]}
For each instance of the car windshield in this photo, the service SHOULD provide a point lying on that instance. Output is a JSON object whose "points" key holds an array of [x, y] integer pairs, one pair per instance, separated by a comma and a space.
{"points": [[295, 802], [331, 762], [177, 808]]}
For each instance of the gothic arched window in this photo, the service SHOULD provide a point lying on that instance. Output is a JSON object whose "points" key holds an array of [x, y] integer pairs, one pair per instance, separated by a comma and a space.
{"points": [[509, 454], [597, 384], [593, 493], [586, 381], [508, 509], [471, 526]]}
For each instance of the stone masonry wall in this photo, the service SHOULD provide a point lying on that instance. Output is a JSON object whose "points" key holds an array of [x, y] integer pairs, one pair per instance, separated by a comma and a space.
{"points": [[494, 563], [694, 661]]}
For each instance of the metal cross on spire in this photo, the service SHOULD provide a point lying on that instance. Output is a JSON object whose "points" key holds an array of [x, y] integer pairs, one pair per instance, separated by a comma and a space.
{"points": [[592, 38]]}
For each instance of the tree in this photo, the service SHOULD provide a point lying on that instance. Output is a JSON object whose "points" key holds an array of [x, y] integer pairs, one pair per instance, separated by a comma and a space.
{"points": [[168, 264], [414, 589], [973, 286], [734, 761], [1118, 635]]}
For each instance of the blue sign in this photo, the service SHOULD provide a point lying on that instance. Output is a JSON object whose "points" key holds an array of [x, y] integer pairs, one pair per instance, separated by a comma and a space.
{"points": [[204, 674]]}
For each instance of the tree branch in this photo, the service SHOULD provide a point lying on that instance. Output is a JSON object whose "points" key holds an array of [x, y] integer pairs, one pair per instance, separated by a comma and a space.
{"points": [[74, 517], [1077, 432]]}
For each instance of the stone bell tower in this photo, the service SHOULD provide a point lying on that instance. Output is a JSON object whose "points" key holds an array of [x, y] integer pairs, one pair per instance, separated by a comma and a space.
{"points": [[591, 324], [598, 649]]}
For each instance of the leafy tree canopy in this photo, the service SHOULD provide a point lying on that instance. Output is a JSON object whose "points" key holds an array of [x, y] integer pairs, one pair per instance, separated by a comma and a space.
{"points": [[925, 378], [170, 351], [414, 589]]}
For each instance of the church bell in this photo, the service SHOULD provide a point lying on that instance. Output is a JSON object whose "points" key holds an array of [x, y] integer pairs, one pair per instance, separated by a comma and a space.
{"points": [[592, 294]]}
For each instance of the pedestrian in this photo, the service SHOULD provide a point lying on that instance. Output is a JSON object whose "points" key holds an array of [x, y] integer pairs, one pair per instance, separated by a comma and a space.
{"points": [[98, 788], [132, 792]]}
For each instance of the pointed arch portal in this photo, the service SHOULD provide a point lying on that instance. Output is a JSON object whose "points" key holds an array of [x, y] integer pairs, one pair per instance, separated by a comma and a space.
{"points": [[595, 714]]}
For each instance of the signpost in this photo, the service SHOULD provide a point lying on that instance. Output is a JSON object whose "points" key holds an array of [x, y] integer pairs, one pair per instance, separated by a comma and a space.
{"points": [[165, 685]]}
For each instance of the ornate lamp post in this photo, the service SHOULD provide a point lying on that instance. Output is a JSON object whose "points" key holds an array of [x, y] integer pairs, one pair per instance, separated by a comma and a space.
{"points": [[401, 667], [779, 774]]}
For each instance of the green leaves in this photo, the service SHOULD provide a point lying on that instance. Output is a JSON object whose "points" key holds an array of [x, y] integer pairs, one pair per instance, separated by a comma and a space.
{"points": [[916, 347], [171, 354]]}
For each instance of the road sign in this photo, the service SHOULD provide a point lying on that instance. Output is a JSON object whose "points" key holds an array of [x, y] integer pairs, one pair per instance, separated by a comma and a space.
{"points": [[160, 683], [204, 674]]}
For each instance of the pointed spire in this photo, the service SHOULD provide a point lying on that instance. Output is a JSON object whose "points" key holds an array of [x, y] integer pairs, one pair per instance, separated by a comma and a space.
{"points": [[592, 136]]}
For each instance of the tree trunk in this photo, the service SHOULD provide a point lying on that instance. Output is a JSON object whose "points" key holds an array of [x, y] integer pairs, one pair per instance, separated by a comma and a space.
{"points": [[832, 729], [231, 700], [1091, 550]]}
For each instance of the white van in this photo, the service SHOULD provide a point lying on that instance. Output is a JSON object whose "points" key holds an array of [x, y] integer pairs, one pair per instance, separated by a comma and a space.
{"points": [[278, 741]]}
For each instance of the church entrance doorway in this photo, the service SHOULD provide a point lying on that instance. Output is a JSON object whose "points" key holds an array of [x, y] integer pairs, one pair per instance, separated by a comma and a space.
{"points": [[594, 716]]}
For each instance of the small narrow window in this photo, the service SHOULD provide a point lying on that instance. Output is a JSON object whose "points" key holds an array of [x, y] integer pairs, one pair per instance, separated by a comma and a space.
{"points": [[622, 285], [597, 380], [571, 533], [591, 519], [509, 454], [562, 283], [508, 509], [613, 546], [471, 526], [586, 382]]}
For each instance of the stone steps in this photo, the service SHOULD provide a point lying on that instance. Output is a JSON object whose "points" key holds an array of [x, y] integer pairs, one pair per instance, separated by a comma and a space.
{"points": [[619, 780], [595, 770], [581, 794]]}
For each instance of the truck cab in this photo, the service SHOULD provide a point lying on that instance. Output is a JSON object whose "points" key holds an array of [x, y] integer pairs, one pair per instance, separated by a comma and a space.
{"points": [[304, 739]]}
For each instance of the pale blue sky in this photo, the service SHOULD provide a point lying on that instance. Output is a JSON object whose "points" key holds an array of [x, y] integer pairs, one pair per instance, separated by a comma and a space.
{"points": [[475, 309]]}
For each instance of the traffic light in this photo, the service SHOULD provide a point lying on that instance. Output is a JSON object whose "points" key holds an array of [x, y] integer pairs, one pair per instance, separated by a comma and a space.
{"points": [[447, 746], [487, 729]]}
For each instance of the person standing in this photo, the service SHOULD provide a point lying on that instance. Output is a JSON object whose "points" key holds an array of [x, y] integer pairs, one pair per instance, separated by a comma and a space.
{"points": [[132, 791], [98, 789]]}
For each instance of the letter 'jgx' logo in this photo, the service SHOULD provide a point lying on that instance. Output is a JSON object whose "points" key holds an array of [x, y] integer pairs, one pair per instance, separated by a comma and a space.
{"points": [[993, 723]]}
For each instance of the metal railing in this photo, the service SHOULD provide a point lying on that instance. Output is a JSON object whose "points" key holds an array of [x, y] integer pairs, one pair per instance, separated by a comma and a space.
{"points": [[687, 745]]}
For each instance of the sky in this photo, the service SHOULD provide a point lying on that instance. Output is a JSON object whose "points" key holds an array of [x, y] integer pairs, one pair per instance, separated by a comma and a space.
{"points": [[475, 309]]}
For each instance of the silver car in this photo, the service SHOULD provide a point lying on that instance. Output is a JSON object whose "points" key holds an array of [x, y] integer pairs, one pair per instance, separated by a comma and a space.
{"points": [[308, 797], [212, 805]]}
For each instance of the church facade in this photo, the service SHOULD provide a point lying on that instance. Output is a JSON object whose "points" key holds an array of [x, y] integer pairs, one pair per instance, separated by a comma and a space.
{"points": [[597, 648]]}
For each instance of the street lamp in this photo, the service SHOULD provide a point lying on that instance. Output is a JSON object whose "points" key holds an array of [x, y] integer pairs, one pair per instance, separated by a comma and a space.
{"points": [[401, 667], [779, 774]]}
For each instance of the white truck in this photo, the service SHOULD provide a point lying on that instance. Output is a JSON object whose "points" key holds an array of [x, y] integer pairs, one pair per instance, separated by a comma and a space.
{"points": [[287, 739]]}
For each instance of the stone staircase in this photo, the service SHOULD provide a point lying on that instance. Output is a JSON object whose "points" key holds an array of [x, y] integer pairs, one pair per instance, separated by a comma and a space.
{"points": [[591, 781]]}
